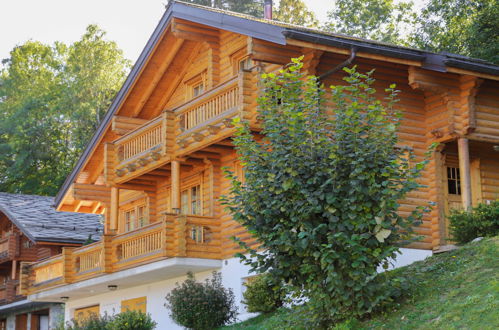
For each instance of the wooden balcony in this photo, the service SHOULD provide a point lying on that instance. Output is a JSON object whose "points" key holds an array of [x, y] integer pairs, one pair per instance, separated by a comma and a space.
{"points": [[174, 236], [209, 117], [201, 121], [141, 149], [9, 248], [9, 292]]}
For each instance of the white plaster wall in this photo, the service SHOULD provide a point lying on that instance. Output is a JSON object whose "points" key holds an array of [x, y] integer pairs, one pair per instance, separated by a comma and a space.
{"points": [[407, 257], [233, 276]]}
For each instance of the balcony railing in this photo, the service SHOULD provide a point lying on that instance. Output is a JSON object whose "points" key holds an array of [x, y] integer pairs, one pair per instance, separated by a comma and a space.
{"points": [[149, 138], [174, 236], [210, 115], [210, 105]]}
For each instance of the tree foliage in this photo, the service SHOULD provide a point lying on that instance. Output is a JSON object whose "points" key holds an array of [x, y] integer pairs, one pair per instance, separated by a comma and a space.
{"points": [[321, 194], [289, 11], [295, 12], [51, 100], [381, 20], [466, 27], [249, 7]]}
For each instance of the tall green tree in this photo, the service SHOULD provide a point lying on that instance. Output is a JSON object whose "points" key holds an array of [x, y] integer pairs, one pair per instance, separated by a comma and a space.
{"points": [[321, 194], [381, 20], [295, 12], [52, 97], [466, 27]]}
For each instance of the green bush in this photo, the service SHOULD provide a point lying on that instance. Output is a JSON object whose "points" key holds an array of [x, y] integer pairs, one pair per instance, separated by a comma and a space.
{"points": [[94, 322], [481, 221], [262, 295], [199, 306], [131, 320]]}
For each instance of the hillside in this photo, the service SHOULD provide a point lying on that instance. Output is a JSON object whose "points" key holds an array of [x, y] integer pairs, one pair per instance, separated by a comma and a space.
{"points": [[453, 290]]}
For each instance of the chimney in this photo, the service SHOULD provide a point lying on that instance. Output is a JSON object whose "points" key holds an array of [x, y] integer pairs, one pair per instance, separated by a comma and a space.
{"points": [[267, 9]]}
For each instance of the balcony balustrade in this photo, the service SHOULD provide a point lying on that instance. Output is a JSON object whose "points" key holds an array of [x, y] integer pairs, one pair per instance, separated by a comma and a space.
{"points": [[205, 118], [173, 236]]}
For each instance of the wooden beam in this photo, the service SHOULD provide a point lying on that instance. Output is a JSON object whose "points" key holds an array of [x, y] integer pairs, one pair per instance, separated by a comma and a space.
{"points": [[174, 45], [114, 210], [122, 125], [91, 192], [175, 185], [464, 171]]}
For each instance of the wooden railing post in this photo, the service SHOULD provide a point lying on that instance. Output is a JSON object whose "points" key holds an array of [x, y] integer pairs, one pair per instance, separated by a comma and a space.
{"points": [[464, 171], [164, 233], [108, 257], [26, 277], [67, 265], [175, 186], [180, 231], [114, 212]]}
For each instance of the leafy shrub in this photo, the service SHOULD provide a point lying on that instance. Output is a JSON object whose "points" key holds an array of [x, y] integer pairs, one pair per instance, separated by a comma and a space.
{"points": [[262, 295], [131, 320], [93, 322], [321, 192], [481, 221], [199, 306]]}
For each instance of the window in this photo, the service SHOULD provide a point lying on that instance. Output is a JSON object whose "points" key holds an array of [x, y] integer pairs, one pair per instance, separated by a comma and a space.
{"points": [[240, 61], [190, 200], [136, 304], [86, 312], [453, 181], [195, 86], [135, 217], [198, 89]]}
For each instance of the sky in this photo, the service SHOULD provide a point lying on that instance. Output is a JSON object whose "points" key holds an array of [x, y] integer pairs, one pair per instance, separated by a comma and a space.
{"points": [[128, 22]]}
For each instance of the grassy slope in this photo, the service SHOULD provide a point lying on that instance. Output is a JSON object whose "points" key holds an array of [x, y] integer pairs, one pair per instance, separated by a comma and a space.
{"points": [[454, 290]]}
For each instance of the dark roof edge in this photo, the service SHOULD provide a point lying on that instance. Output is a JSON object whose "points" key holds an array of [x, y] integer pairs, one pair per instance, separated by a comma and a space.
{"points": [[18, 224], [472, 66], [361, 46], [429, 60]]}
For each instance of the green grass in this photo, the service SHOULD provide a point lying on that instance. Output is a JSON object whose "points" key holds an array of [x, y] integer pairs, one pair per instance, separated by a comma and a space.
{"points": [[453, 290]]}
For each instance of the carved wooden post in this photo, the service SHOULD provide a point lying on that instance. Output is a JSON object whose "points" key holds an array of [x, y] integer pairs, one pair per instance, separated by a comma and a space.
{"points": [[114, 211], [67, 265], [175, 186], [464, 171], [107, 254], [181, 232]]}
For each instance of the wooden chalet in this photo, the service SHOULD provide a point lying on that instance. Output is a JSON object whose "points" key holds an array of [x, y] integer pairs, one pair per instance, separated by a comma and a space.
{"points": [[154, 167], [32, 230]]}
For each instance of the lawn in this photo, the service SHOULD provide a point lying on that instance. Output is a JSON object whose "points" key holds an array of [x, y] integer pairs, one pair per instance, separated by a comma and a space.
{"points": [[453, 290]]}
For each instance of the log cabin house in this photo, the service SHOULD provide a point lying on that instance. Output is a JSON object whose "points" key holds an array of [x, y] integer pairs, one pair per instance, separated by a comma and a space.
{"points": [[154, 166], [32, 230]]}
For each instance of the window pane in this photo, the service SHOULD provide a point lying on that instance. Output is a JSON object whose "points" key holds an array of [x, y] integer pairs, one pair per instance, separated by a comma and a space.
{"points": [[184, 202]]}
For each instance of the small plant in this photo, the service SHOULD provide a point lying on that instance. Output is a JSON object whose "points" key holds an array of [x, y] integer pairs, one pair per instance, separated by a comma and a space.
{"points": [[199, 306], [481, 221], [131, 320], [263, 295], [93, 322]]}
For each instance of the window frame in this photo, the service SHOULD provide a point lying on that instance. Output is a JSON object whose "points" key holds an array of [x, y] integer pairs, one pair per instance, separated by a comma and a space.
{"points": [[135, 206], [189, 202]]}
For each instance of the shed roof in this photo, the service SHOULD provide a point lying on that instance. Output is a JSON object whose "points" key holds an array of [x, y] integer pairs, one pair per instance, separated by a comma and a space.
{"points": [[36, 217]]}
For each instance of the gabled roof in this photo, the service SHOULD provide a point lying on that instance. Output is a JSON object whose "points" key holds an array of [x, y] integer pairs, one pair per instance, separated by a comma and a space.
{"points": [[36, 217], [271, 31]]}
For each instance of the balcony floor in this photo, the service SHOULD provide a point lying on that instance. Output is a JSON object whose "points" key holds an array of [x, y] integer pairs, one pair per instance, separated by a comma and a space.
{"points": [[159, 270]]}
